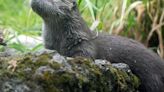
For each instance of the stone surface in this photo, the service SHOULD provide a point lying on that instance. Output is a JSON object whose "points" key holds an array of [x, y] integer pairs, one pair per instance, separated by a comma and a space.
{"points": [[51, 72]]}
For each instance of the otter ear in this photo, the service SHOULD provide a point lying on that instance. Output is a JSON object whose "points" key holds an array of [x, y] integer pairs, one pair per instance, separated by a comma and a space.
{"points": [[74, 2]]}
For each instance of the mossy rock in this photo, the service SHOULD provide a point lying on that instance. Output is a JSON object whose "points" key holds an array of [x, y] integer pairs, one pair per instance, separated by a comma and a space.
{"points": [[51, 72]]}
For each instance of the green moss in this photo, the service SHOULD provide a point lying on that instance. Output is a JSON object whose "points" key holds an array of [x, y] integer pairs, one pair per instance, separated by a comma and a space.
{"points": [[83, 76], [122, 80], [136, 82]]}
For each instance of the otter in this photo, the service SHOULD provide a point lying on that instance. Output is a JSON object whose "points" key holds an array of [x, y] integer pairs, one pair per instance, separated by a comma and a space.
{"points": [[65, 30]]}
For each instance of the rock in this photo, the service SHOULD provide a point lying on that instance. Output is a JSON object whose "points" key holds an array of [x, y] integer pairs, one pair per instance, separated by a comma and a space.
{"points": [[122, 66], [52, 72]]}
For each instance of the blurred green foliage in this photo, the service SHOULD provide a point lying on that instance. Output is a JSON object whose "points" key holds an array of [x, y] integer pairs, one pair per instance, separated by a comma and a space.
{"points": [[17, 18]]}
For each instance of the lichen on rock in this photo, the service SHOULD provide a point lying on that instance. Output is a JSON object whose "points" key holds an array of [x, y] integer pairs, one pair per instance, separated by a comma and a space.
{"points": [[51, 72]]}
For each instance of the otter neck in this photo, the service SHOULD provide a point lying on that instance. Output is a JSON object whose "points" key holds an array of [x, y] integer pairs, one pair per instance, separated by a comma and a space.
{"points": [[68, 33], [76, 26]]}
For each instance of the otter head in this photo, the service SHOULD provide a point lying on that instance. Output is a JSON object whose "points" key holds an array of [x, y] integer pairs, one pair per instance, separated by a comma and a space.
{"points": [[58, 9]]}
